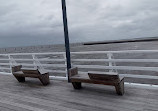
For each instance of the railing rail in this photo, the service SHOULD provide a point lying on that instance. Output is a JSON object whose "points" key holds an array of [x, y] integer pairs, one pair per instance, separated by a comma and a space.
{"points": [[142, 60], [32, 60], [55, 62]]}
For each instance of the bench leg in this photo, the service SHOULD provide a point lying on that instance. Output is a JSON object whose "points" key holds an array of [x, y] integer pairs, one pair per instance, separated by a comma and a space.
{"points": [[44, 79], [120, 88], [20, 79], [77, 85]]}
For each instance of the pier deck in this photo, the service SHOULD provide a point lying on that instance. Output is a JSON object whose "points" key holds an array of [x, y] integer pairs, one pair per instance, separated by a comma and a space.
{"points": [[60, 96]]}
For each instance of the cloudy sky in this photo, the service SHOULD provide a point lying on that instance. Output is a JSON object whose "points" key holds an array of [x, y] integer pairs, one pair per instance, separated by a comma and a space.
{"points": [[39, 22]]}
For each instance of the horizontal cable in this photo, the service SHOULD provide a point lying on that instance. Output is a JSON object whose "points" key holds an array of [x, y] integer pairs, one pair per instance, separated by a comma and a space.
{"points": [[117, 67], [3, 68], [123, 51], [47, 65], [40, 60], [114, 60]]}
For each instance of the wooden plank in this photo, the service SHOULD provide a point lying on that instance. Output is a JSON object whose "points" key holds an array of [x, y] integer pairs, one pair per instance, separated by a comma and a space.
{"points": [[30, 71], [106, 76], [85, 78], [139, 76]]}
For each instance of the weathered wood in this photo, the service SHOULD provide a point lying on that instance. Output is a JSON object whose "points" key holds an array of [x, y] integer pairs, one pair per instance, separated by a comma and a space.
{"points": [[73, 71], [120, 87], [20, 79], [20, 74], [59, 96], [44, 78], [30, 71], [77, 85], [107, 78], [16, 68]]}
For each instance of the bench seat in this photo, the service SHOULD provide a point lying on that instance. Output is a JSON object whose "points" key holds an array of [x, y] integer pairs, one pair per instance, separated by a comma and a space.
{"points": [[20, 74], [85, 78], [106, 78]]}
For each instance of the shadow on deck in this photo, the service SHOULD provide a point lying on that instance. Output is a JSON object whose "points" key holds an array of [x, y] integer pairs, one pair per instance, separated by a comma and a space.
{"points": [[60, 96]]}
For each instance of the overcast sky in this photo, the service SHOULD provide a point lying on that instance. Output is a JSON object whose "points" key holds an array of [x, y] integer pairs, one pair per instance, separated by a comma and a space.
{"points": [[39, 22]]}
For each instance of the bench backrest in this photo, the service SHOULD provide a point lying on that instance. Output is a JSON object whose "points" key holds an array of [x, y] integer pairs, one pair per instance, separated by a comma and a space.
{"points": [[16, 68], [106, 76], [73, 71], [30, 71]]}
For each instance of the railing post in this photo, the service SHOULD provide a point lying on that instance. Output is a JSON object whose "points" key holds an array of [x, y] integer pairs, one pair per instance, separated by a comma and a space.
{"points": [[37, 63], [34, 61], [10, 62], [110, 56], [65, 64]]}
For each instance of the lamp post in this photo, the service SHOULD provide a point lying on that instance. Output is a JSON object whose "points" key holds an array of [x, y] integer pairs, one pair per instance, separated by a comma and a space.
{"points": [[66, 35]]}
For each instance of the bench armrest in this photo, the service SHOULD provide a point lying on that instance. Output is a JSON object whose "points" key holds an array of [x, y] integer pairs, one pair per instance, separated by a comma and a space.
{"points": [[121, 78], [16, 68], [73, 71]]}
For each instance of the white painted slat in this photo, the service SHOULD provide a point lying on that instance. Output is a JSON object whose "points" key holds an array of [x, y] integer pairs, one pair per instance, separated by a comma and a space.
{"points": [[118, 67]]}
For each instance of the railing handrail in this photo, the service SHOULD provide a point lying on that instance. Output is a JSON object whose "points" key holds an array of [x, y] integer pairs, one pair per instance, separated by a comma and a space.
{"points": [[33, 61], [121, 51], [86, 52], [43, 53], [111, 66], [110, 60], [115, 60]]}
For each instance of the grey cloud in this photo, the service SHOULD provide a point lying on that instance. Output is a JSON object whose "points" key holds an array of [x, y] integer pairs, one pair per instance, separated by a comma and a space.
{"points": [[36, 22], [120, 20]]}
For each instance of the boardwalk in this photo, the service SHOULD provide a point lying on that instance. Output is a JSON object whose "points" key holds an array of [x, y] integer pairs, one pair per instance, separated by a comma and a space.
{"points": [[60, 96]]}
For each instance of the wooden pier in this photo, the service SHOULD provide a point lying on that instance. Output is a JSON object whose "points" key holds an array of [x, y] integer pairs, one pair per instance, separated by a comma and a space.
{"points": [[60, 96]]}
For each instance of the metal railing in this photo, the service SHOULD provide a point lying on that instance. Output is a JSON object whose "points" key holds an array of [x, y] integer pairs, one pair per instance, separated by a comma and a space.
{"points": [[139, 64], [136, 64], [53, 62]]}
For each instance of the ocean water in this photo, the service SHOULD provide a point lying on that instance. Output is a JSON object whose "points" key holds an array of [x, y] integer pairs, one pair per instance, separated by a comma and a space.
{"points": [[152, 45]]}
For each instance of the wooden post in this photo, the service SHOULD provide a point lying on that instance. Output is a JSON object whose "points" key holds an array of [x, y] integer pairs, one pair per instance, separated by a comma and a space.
{"points": [[67, 47]]}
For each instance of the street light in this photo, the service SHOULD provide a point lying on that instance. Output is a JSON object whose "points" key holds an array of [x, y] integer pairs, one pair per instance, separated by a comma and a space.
{"points": [[66, 35]]}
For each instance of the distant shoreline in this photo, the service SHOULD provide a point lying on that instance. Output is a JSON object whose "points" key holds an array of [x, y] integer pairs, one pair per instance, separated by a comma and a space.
{"points": [[122, 41], [135, 44]]}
